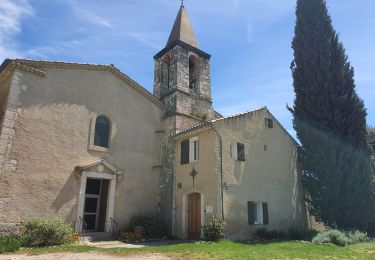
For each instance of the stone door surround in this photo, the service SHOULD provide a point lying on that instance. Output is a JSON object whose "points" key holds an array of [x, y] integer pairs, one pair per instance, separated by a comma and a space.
{"points": [[88, 171]]}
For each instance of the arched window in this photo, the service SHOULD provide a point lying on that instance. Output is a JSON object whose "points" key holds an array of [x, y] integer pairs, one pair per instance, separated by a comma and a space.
{"points": [[193, 78], [102, 128]]}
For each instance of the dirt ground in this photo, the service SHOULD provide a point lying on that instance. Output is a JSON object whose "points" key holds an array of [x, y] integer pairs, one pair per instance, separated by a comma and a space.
{"points": [[84, 256]]}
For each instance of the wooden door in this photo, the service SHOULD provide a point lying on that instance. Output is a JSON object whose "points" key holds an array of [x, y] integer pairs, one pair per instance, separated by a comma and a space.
{"points": [[194, 216]]}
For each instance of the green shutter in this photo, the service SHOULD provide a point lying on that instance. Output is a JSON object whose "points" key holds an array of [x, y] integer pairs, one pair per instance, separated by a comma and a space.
{"points": [[185, 152], [265, 213], [251, 211]]}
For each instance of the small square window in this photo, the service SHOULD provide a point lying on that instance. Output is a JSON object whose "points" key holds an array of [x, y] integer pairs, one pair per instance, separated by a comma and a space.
{"points": [[257, 213], [268, 122], [241, 152], [238, 152]]}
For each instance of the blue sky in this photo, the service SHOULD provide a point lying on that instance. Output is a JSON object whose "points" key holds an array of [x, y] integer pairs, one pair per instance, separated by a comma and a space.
{"points": [[249, 40]]}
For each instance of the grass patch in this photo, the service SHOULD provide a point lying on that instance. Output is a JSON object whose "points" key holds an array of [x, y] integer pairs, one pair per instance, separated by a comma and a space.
{"points": [[231, 250]]}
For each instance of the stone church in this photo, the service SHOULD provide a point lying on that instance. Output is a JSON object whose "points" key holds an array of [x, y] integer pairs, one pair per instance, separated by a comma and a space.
{"points": [[86, 143]]}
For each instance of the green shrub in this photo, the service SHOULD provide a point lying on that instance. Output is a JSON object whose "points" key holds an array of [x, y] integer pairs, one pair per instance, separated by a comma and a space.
{"points": [[214, 229], [10, 243], [340, 238], [46, 232], [331, 236], [154, 227], [358, 237], [264, 234], [302, 234]]}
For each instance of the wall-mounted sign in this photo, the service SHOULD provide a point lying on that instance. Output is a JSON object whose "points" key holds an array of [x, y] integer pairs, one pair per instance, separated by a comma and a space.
{"points": [[209, 209]]}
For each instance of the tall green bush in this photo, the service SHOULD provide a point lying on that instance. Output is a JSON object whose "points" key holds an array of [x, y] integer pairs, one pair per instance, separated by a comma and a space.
{"points": [[46, 232], [10, 243]]}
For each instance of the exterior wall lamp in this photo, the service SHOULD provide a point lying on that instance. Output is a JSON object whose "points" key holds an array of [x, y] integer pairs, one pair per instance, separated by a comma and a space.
{"points": [[225, 185]]}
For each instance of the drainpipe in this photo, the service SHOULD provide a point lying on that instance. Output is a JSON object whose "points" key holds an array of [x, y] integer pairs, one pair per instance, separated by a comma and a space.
{"points": [[221, 167]]}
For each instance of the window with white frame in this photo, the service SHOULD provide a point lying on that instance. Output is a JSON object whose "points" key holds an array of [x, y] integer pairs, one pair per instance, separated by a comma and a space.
{"points": [[257, 213], [194, 149], [190, 150], [237, 151]]}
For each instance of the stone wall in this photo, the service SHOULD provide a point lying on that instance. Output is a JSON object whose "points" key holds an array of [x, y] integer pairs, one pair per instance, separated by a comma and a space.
{"points": [[183, 109], [8, 164]]}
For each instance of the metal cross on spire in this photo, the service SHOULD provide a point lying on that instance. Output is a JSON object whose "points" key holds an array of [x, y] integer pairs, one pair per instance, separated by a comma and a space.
{"points": [[182, 3]]}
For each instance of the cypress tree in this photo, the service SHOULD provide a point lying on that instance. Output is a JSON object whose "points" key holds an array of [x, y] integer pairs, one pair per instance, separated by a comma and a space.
{"points": [[330, 121], [371, 140]]}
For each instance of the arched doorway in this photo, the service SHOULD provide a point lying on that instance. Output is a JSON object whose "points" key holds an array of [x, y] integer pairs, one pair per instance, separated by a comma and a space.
{"points": [[194, 216]]}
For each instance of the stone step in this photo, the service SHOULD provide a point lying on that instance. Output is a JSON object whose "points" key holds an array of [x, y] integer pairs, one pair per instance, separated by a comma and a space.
{"points": [[96, 236]]}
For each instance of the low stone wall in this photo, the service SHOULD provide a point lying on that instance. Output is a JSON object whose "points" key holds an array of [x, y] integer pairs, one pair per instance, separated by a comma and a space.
{"points": [[9, 228]]}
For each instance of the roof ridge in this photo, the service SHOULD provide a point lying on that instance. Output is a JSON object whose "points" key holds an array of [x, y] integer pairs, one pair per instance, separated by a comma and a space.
{"points": [[60, 61], [239, 114], [202, 125]]}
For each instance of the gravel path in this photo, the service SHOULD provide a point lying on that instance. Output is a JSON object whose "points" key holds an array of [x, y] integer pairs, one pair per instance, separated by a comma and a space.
{"points": [[84, 256], [96, 255]]}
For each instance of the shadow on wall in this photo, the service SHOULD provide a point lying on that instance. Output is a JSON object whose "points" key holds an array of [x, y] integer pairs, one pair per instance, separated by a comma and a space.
{"points": [[69, 192], [298, 192]]}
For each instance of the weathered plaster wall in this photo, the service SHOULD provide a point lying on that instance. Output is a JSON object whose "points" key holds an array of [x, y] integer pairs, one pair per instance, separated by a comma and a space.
{"points": [[207, 182], [270, 176], [51, 118]]}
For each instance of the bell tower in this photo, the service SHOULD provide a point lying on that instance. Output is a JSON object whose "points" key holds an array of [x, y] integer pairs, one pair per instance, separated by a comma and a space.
{"points": [[182, 76], [182, 82]]}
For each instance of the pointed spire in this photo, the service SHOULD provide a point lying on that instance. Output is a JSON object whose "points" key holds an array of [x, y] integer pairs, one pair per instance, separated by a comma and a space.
{"points": [[182, 29]]}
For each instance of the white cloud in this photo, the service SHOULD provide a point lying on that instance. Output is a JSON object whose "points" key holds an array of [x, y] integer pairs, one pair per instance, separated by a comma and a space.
{"points": [[44, 52], [11, 14], [95, 19], [143, 38], [83, 11]]}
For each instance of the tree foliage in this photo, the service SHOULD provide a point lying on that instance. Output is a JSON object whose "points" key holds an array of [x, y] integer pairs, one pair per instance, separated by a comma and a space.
{"points": [[330, 121], [371, 140]]}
